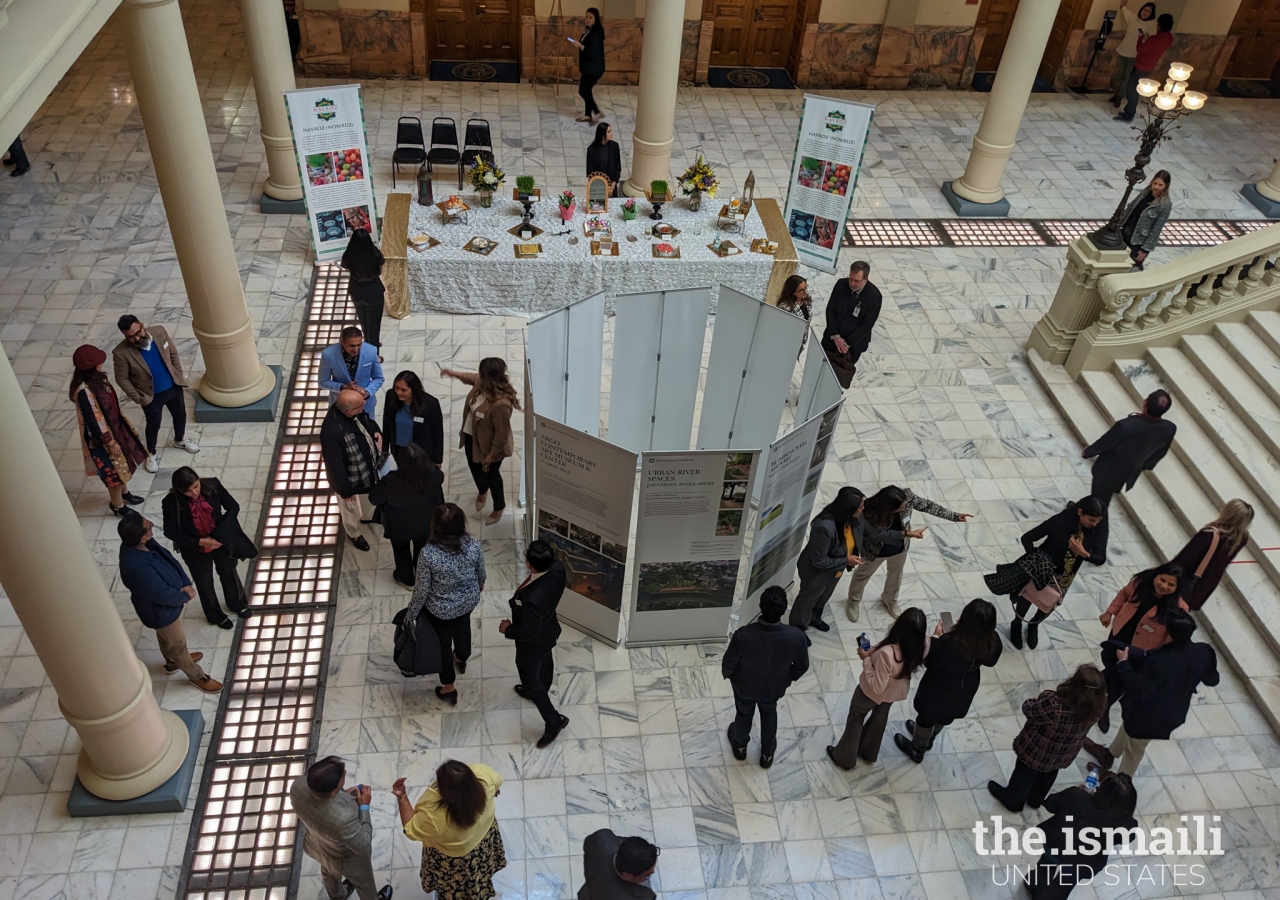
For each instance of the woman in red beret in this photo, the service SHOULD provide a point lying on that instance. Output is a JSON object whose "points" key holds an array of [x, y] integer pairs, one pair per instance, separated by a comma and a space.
{"points": [[112, 449]]}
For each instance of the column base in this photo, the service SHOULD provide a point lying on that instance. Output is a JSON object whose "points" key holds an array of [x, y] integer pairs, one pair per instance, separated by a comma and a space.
{"points": [[263, 410], [167, 798], [1269, 208], [969, 209], [270, 206]]}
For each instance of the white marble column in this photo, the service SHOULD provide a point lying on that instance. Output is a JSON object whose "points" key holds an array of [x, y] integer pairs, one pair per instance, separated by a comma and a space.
{"points": [[130, 745], [272, 76], [1266, 194], [656, 102], [169, 100], [998, 132]]}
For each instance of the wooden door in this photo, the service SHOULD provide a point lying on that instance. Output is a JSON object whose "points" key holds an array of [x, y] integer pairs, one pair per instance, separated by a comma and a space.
{"points": [[473, 29], [770, 33], [997, 17], [1071, 18], [1257, 31], [751, 32]]}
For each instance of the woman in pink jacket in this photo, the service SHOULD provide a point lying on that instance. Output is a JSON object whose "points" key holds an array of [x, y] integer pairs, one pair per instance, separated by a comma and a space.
{"points": [[886, 677]]}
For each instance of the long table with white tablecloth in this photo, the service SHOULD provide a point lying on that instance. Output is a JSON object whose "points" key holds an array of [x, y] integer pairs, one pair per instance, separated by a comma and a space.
{"points": [[448, 278]]}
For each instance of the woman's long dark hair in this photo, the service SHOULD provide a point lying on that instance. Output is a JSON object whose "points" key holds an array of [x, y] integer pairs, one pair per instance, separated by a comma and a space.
{"points": [[418, 398], [416, 469], [908, 632], [1085, 694], [1090, 506], [184, 477], [1116, 799], [1144, 586], [493, 382], [602, 135], [461, 792], [844, 508], [361, 258], [975, 632], [883, 505], [95, 378], [787, 299], [599, 19], [448, 527]]}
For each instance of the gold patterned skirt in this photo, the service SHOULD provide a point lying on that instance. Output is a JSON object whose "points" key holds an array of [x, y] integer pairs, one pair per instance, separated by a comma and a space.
{"points": [[468, 877]]}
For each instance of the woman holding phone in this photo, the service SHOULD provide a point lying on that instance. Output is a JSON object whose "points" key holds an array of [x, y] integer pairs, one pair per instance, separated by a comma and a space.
{"points": [[590, 62]]}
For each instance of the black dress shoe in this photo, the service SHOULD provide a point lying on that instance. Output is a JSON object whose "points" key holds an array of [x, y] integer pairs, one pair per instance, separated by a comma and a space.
{"points": [[520, 689], [1015, 633], [133, 499], [385, 893], [245, 613], [904, 744], [766, 761], [831, 752], [739, 753], [225, 624], [553, 732], [121, 511], [451, 698], [361, 543], [1000, 792], [820, 625]]}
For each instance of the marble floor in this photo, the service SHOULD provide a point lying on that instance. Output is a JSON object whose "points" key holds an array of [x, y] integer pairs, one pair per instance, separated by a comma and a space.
{"points": [[944, 403]]}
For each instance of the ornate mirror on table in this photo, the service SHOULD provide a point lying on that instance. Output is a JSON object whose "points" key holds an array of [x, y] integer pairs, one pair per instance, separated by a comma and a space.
{"points": [[598, 190]]}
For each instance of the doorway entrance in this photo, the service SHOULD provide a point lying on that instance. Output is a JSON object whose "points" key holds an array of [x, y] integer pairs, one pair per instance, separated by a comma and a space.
{"points": [[997, 17], [1257, 32], [752, 32], [473, 29]]}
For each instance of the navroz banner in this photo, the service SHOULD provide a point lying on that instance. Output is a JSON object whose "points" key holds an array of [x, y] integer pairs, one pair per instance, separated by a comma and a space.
{"points": [[824, 175], [329, 142]]}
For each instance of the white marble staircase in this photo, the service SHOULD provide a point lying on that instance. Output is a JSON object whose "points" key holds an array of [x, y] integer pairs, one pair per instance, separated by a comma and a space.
{"points": [[1226, 403]]}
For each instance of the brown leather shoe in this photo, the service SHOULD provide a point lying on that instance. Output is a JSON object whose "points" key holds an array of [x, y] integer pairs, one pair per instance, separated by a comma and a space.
{"points": [[208, 685], [195, 657]]}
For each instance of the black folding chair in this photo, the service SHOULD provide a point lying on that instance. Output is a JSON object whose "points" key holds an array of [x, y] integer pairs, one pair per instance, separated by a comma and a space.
{"points": [[444, 146], [410, 150], [478, 144]]}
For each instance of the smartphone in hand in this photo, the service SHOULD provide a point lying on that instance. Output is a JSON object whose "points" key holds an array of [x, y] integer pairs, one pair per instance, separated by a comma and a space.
{"points": [[948, 622]]}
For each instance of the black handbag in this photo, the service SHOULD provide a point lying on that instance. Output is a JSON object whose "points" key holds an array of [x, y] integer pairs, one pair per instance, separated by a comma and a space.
{"points": [[416, 649]]}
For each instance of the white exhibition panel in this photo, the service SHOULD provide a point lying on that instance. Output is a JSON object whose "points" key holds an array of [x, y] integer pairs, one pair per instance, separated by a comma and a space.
{"points": [[684, 332], [637, 330], [768, 379], [736, 317], [815, 360], [584, 355], [566, 359]]}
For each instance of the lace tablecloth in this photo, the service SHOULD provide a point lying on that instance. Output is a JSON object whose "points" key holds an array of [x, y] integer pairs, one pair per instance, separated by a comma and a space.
{"points": [[449, 279]]}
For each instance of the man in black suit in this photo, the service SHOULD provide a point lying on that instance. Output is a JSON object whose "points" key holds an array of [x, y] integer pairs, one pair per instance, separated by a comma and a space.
{"points": [[1131, 446], [762, 660], [534, 627], [852, 311], [615, 868]]}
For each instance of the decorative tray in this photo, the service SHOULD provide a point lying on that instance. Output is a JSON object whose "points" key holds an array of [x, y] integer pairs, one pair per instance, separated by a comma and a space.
{"points": [[527, 251], [727, 213], [484, 247], [515, 194], [596, 251], [422, 242], [727, 248], [534, 230], [765, 246], [452, 211], [596, 225], [660, 255], [663, 230]]}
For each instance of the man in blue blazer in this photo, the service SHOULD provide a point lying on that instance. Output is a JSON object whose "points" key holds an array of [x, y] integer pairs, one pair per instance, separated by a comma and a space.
{"points": [[352, 363]]}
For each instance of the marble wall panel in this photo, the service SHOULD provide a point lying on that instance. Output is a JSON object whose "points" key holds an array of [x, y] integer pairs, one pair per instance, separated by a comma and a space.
{"points": [[624, 39], [921, 56], [343, 42], [841, 55]]}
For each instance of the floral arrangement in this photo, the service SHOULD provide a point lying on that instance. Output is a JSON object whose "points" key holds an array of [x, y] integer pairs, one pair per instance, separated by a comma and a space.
{"points": [[629, 204], [485, 176], [699, 178], [566, 200]]}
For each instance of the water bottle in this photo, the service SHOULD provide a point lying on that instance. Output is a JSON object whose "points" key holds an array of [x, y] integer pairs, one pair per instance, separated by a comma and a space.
{"points": [[1091, 780], [864, 642]]}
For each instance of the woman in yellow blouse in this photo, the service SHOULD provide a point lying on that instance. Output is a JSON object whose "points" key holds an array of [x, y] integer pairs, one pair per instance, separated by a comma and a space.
{"points": [[455, 821]]}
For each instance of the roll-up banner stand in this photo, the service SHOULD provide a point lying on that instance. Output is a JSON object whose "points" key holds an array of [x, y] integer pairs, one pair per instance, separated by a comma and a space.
{"points": [[824, 175], [585, 489], [791, 476], [689, 536], [327, 124]]}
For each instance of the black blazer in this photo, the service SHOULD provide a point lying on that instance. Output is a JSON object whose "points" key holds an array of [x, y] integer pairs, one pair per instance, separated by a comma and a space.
{"points": [[1072, 809], [1130, 447], [606, 159], [1058, 529], [856, 330], [591, 56], [534, 626], [406, 515], [180, 528], [427, 434], [1158, 688], [763, 659], [333, 451], [950, 681]]}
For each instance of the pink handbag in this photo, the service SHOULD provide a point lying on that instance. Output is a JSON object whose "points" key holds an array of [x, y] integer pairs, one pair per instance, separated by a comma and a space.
{"points": [[1045, 599]]}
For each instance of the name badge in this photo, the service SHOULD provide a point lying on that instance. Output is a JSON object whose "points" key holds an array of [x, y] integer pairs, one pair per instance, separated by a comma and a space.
{"points": [[166, 345], [1148, 629], [479, 415], [418, 419]]}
